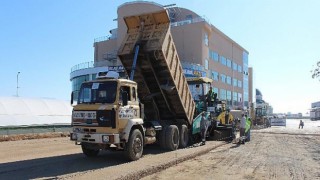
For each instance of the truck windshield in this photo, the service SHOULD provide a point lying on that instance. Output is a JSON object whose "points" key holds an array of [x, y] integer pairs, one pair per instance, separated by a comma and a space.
{"points": [[98, 92]]}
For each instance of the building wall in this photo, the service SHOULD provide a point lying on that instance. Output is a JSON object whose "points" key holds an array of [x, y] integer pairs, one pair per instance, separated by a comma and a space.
{"points": [[182, 14], [101, 49], [200, 46], [186, 38]]}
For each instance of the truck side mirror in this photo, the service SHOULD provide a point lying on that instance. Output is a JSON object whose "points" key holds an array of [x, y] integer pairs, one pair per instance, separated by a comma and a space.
{"points": [[124, 95], [71, 101]]}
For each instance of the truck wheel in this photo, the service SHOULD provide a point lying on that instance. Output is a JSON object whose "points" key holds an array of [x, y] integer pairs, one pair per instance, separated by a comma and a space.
{"points": [[89, 152], [134, 146], [184, 136], [172, 137], [162, 137]]}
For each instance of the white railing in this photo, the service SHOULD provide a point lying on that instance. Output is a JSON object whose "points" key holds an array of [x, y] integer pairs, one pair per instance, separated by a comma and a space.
{"points": [[188, 21]]}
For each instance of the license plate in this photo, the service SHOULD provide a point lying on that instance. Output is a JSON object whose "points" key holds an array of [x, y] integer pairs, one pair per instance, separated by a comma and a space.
{"points": [[89, 121], [84, 115]]}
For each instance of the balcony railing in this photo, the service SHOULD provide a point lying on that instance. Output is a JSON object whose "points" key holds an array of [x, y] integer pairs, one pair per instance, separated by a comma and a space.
{"points": [[134, 2], [189, 21], [84, 65], [105, 38], [92, 64]]}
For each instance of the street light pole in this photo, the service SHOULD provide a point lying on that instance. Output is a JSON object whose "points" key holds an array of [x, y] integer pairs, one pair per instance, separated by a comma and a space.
{"points": [[18, 84]]}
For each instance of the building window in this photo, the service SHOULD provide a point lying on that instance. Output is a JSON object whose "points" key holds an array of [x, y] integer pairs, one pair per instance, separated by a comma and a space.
{"points": [[229, 63], [239, 69], [215, 56], [239, 99], [245, 58], [229, 80], [229, 102], [235, 98], [206, 64], [235, 82], [223, 78], [206, 39], [215, 75], [235, 66], [216, 90], [239, 84], [223, 60], [223, 94]]}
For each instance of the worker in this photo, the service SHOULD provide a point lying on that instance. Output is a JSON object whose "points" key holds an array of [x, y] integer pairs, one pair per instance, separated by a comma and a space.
{"points": [[203, 128], [234, 131], [215, 97], [209, 96], [248, 128], [242, 128], [301, 124]]}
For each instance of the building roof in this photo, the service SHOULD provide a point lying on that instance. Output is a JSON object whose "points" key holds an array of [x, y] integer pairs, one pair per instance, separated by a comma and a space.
{"points": [[18, 111]]}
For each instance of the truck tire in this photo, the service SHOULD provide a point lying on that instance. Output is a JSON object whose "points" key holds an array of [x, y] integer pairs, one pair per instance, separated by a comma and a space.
{"points": [[162, 137], [172, 137], [134, 147], [184, 136], [89, 152]]}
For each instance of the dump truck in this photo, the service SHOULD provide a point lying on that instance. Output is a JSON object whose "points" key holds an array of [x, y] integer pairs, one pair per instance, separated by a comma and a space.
{"points": [[153, 105]]}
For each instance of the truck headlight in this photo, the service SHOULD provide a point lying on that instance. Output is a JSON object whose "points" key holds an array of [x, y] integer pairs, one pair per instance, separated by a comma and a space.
{"points": [[105, 138], [77, 130], [73, 136], [108, 138]]}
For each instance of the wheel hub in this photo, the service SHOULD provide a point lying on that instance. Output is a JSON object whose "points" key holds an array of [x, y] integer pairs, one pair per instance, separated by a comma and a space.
{"points": [[137, 145]]}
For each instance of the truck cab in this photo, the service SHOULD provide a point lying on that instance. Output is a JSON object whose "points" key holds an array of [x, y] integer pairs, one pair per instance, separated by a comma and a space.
{"points": [[107, 111]]}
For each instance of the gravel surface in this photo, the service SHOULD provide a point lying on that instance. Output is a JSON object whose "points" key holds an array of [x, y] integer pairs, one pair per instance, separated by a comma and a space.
{"points": [[60, 158], [267, 156], [273, 153]]}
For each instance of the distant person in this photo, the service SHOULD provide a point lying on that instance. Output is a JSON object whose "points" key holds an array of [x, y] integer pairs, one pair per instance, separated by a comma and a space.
{"points": [[234, 128], [203, 128], [242, 127], [301, 124], [248, 128]]}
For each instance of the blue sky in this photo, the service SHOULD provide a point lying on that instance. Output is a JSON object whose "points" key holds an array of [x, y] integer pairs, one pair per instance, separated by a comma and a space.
{"points": [[44, 39]]}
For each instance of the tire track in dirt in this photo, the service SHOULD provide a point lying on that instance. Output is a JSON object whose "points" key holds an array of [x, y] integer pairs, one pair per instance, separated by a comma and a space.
{"points": [[267, 156]]}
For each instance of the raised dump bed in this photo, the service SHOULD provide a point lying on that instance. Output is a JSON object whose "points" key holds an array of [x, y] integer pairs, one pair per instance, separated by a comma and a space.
{"points": [[162, 86]]}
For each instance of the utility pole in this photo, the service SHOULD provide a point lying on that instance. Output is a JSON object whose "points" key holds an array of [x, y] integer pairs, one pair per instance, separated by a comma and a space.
{"points": [[18, 84]]}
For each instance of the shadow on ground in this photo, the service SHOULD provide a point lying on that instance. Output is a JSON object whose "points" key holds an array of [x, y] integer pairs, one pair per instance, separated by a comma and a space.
{"points": [[51, 167]]}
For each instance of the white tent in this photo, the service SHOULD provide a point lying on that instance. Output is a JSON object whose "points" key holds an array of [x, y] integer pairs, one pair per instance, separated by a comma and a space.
{"points": [[17, 111]]}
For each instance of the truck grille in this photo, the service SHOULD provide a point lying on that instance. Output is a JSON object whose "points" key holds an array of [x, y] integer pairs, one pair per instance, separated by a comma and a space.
{"points": [[103, 118], [106, 118]]}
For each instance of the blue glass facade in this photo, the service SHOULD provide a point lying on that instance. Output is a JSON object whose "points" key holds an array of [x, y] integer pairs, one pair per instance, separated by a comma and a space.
{"points": [[245, 80], [233, 96], [87, 72]]}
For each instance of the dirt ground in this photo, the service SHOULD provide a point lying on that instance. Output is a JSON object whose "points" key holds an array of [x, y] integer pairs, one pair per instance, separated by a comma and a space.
{"points": [[273, 153]]}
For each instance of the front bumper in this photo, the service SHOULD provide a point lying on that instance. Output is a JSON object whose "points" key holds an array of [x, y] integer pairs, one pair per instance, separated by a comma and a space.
{"points": [[95, 138]]}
